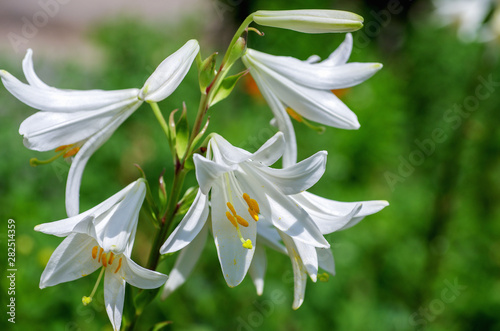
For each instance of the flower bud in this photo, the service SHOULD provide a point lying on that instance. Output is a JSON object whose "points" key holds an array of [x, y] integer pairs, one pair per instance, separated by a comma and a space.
{"points": [[310, 20]]}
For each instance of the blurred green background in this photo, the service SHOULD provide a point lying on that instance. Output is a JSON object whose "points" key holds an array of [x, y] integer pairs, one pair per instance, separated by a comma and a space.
{"points": [[429, 261]]}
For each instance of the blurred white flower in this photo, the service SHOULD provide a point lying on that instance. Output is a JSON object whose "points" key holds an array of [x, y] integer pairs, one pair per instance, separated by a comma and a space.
{"points": [[469, 16], [77, 123], [302, 89], [101, 237]]}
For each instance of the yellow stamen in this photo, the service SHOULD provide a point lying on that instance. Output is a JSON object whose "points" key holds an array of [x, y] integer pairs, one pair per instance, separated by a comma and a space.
{"points": [[242, 221], [254, 215], [100, 255], [104, 260], [111, 258], [231, 208], [231, 219], [294, 115], [94, 252], [254, 206], [62, 148], [72, 152], [119, 265]]}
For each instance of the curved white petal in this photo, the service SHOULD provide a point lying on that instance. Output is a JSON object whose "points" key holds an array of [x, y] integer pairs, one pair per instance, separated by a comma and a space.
{"points": [[299, 272], [271, 151], [342, 53], [44, 131], [323, 75], [185, 263], [331, 215], [192, 223], [122, 223], [81, 158], [234, 258], [309, 258], [29, 72], [317, 105], [269, 236], [71, 260], [257, 269], [325, 259], [298, 177], [170, 73], [230, 154], [114, 296], [138, 276], [56, 100], [283, 120], [62, 228], [208, 171]]}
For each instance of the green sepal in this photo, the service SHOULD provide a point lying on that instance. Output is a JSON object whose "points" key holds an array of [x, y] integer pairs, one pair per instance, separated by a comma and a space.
{"points": [[187, 200], [206, 72], [226, 87], [182, 134], [239, 48], [162, 192]]}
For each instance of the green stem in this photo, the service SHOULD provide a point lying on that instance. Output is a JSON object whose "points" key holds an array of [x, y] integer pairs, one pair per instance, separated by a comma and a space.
{"points": [[160, 118]]}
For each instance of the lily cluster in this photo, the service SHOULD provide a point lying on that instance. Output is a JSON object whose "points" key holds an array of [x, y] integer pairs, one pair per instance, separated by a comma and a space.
{"points": [[246, 204]]}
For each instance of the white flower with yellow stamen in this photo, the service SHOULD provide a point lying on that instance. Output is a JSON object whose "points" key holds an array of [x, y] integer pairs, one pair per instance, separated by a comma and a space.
{"points": [[241, 187], [77, 123], [302, 89], [102, 237]]}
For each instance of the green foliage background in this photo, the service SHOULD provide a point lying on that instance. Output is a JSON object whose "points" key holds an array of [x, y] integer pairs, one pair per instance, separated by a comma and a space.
{"points": [[392, 269]]}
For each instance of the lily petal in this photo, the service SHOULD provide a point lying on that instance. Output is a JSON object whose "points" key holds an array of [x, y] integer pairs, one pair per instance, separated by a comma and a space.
{"points": [[138, 276], [71, 260], [342, 53], [29, 71], [208, 171], [114, 296], [81, 158], [299, 272], [325, 259], [185, 262], [298, 177], [170, 73], [257, 269], [190, 226]]}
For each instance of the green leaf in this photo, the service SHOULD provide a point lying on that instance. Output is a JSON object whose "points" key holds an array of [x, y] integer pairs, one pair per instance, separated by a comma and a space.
{"points": [[200, 135], [182, 134], [226, 87], [206, 72], [160, 326]]}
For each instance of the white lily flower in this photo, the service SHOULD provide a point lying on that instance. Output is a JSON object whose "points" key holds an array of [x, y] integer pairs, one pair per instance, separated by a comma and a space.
{"points": [[102, 237], [242, 187], [310, 20], [77, 123], [302, 89]]}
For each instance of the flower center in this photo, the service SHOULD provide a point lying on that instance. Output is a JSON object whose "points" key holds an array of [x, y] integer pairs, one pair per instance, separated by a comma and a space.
{"points": [[237, 220], [65, 151], [106, 259]]}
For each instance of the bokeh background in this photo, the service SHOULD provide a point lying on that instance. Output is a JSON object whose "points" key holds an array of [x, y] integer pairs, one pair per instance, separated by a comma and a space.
{"points": [[429, 144]]}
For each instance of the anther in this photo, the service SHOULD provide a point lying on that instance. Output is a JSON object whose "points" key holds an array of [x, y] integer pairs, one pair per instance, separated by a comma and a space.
{"points": [[71, 152], [231, 219], [94, 252], [119, 265], [100, 255], [104, 260], [111, 258], [231, 208], [241, 221], [294, 115]]}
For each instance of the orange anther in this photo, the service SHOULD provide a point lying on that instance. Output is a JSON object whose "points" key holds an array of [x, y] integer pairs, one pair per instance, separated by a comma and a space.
{"points": [[231, 219], [94, 252], [72, 152], [241, 220], [119, 265]]}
